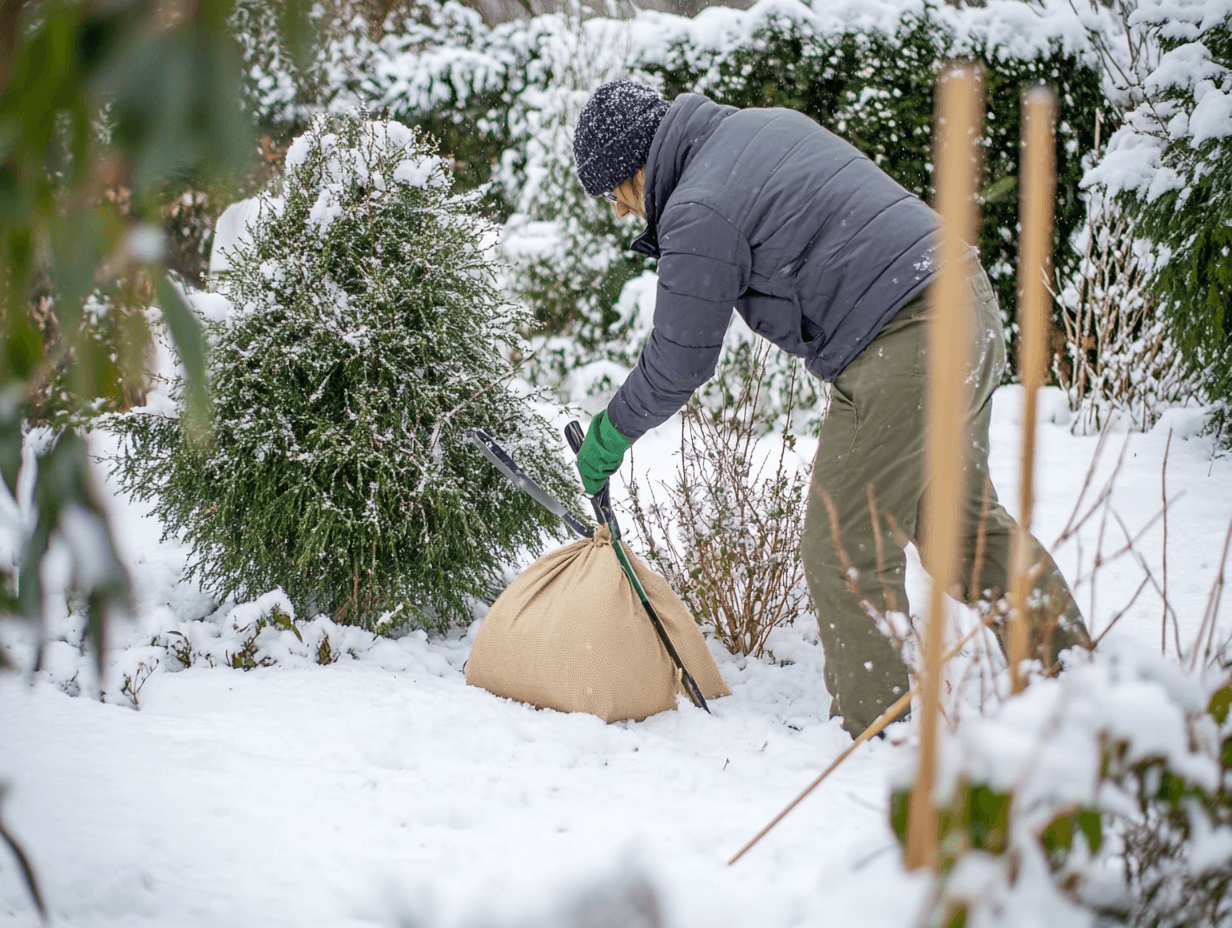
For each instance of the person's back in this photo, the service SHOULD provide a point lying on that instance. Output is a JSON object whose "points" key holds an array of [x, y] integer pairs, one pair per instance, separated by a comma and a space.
{"points": [[824, 227], [766, 212]]}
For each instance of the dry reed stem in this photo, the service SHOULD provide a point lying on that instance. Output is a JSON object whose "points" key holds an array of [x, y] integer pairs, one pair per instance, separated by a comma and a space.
{"points": [[896, 709], [891, 601], [850, 574], [1039, 116], [960, 102], [1212, 607], [981, 539]]}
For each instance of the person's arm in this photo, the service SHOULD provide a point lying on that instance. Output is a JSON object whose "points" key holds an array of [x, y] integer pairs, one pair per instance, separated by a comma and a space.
{"points": [[703, 270]]}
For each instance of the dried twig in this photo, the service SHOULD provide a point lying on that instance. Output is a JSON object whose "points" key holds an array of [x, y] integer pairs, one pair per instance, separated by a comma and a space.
{"points": [[891, 601], [1167, 608], [1070, 527], [1163, 492], [977, 562], [888, 716], [737, 521], [1076, 523], [1116, 618], [1117, 356], [1127, 548], [1212, 607]]}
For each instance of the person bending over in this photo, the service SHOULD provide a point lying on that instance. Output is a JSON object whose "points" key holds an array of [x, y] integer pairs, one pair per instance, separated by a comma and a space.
{"points": [[766, 212]]}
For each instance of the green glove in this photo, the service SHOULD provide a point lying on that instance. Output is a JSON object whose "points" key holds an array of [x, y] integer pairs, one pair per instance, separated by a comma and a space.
{"points": [[601, 453]]}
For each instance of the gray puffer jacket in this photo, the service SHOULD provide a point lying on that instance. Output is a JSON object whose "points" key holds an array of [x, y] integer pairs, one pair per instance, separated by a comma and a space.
{"points": [[765, 212]]}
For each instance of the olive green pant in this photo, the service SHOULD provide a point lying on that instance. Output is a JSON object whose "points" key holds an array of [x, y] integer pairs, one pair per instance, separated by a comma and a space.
{"points": [[871, 458]]}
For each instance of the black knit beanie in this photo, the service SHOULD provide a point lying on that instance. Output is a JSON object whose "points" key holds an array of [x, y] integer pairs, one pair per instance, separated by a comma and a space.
{"points": [[614, 132]]}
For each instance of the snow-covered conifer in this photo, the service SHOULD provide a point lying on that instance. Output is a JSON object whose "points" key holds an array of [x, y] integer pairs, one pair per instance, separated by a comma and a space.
{"points": [[362, 345]]}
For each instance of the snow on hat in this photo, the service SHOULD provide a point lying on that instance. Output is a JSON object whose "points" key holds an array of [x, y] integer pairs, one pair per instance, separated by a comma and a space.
{"points": [[614, 132]]}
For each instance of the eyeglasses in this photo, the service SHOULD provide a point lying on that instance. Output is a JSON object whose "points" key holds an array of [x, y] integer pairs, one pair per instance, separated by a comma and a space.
{"points": [[610, 197]]}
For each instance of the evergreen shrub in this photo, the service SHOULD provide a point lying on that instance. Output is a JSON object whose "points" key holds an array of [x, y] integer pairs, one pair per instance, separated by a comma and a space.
{"points": [[364, 342]]}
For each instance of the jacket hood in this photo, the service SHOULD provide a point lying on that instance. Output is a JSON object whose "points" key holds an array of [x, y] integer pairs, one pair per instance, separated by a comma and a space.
{"points": [[686, 126]]}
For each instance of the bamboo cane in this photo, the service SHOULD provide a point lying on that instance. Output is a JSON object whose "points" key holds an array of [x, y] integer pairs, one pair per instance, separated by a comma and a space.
{"points": [[1036, 197], [957, 129], [872, 731]]}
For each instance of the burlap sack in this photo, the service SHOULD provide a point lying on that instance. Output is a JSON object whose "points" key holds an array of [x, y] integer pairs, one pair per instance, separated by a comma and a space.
{"points": [[571, 634]]}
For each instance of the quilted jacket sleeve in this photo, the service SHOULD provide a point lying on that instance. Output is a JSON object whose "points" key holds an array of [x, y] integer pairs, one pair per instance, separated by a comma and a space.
{"points": [[703, 269]]}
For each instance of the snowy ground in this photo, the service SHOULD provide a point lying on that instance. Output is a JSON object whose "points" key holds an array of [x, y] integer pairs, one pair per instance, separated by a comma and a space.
{"points": [[380, 790]]}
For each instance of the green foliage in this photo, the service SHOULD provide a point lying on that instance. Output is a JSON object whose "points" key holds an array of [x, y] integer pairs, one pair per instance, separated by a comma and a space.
{"points": [[362, 348], [1058, 838], [1190, 222], [245, 656], [876, 90], [1178, 813], [1165, 812], [975, 818]]}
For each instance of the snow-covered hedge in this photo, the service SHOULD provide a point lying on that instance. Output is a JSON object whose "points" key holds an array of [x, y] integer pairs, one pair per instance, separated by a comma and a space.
{"points": [[1171, 165], [503, 99]]}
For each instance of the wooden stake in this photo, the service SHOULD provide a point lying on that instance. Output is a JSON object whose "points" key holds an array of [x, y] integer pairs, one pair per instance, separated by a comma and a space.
{"points": [[958, 118], [1035, 248]]}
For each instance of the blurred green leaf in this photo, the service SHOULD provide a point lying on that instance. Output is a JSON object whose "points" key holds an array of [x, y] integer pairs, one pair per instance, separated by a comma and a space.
{"points": [[1220, 703], [10, 433], [80, 243], [1091, 825], [190, 343], [29, 578], [1000, 189], [66, 502], [175, 102], [298, 32], [23, 346]]}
